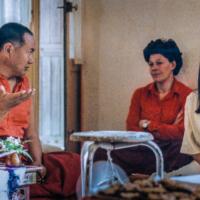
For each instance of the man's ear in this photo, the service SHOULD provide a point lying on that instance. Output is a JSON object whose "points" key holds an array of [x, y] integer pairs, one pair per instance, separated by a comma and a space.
{"points": [[8, 48]]}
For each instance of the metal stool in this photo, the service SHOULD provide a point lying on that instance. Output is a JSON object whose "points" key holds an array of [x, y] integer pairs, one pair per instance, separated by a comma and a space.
{"points": [[112, 140]]}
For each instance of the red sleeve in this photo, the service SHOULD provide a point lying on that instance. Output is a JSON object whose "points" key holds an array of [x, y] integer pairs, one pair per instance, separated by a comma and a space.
{"points": [[165, 131], [134, 112]]}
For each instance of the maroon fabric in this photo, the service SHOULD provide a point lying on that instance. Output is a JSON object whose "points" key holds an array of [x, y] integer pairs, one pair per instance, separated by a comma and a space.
{"points": [[142, 160], [54, 198], [63, 170], [43, 198]]}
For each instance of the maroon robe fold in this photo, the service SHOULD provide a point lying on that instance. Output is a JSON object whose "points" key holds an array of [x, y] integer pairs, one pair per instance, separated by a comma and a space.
{"points": [[63, 171]]}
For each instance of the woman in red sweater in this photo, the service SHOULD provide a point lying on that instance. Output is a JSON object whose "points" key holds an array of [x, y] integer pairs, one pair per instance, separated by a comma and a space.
{"points": [[157, 108]]}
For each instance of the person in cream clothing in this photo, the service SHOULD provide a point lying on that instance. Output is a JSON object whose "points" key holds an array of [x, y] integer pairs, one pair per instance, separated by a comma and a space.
{"points": [[191, 138]]}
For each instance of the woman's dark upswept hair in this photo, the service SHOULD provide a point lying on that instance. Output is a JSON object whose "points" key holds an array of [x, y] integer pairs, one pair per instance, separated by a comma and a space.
{"points": [[167, 48], [14, 33], [198, 89]]}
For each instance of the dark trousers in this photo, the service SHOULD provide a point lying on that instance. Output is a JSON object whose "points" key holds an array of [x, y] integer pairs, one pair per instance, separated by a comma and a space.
{"points": [[142, 159]]}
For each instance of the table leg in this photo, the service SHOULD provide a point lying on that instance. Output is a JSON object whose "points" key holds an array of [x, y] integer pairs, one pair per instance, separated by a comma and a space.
{"points": [[159, 160], [84, 161], [92, 151]]}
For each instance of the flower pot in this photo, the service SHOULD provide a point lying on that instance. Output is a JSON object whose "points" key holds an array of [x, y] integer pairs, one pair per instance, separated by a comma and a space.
{"points": [[13, 160]]}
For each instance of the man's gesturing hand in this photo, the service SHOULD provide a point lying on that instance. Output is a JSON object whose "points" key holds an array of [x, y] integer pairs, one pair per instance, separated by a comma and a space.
{"points": [[10, 100]]}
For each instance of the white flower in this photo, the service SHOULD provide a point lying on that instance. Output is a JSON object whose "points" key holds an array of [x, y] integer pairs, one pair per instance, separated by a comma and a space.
{"points": [[15, 141]]}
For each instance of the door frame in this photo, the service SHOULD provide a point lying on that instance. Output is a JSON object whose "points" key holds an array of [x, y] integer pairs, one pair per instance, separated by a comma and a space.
{"points": [[34, 71]]}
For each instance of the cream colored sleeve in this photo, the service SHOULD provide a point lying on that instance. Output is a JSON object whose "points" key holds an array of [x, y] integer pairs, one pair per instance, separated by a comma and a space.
{"points": [[191, 124]]}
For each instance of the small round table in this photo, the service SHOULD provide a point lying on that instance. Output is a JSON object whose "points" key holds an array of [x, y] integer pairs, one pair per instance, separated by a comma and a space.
{"points": [[112, 140]]}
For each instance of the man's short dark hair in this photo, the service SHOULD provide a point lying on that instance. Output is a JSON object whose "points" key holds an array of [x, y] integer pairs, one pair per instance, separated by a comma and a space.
{"points": [[167, 48], [14, 33]]}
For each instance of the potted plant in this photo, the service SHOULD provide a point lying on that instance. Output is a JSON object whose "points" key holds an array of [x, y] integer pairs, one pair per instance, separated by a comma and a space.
{"points": [[13, 149]]}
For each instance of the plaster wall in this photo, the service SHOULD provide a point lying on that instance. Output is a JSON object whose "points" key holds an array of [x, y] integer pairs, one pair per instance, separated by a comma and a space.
{"points": [[114, 35]]}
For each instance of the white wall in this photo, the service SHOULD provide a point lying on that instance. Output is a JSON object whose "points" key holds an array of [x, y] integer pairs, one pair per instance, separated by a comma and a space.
{"points": [[115, 33]]}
